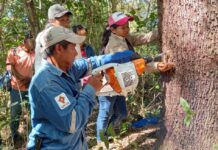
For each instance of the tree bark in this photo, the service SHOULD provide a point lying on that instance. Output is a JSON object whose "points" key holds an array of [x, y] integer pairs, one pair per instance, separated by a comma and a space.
{"points": [[32, 16], [189, 31], [2, 8]]}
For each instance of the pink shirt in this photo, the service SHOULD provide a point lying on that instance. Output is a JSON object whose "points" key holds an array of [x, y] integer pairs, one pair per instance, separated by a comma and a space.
{"points": [[22, 62]]}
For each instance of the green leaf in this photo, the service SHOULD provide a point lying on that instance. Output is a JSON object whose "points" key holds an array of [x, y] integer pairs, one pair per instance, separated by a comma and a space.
{"points": [[157, 87], [185, 105], [188, 112], [187, 120], [124, 127]]}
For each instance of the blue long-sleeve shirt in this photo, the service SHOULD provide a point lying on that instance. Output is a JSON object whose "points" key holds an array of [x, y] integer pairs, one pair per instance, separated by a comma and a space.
{"points": [[59, 107]]}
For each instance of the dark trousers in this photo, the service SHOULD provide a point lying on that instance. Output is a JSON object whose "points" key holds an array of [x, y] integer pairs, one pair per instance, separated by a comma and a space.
{"points": [[17, 101]]}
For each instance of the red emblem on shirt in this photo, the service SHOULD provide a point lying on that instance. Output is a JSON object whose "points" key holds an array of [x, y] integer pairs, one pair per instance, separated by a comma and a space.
{"points": [[61, 99]]}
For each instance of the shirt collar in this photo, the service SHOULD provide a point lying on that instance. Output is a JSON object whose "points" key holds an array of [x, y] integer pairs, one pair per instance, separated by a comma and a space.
{"points": [[117, 36], [52, 68]]}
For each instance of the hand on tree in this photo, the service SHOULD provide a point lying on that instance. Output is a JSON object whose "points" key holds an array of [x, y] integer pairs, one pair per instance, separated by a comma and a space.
{"points": [[163, 67]]}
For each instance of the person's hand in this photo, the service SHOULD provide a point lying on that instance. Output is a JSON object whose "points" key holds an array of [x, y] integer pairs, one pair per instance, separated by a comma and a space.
{"points": [[96, 81], [163, 67]]}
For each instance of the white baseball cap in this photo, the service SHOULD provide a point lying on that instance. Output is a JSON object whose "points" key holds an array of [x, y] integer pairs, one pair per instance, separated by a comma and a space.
{"points": [[55, 34], [119, 18]]}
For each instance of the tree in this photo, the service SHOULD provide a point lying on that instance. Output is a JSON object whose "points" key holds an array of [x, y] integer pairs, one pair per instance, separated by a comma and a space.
{"points": [[190, 33], [32, 17]]}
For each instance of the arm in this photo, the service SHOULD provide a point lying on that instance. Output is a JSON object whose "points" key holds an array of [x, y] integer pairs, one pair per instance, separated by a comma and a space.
{"points": [[82, 67], [138, 39], [10, 61], [65, 111]]}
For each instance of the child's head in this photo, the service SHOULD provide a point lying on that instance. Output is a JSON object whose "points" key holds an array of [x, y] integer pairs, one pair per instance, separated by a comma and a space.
{"points": [[29, 41], [80, 30], [119, 23]]}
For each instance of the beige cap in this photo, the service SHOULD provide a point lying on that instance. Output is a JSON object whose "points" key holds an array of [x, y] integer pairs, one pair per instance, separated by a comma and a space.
{"points": [[56, 11], [55, 34]]}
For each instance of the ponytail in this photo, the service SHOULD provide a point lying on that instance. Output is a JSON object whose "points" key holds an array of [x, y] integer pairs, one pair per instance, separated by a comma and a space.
{"points": [[106, 35]]}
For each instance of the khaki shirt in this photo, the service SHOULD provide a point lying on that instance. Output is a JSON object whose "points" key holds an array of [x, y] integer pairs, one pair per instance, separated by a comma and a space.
{"points": [[118, 43]]}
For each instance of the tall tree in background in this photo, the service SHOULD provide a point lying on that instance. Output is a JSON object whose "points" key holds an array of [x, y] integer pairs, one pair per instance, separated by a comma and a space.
{"points": [[32, 16], [190, 32]]}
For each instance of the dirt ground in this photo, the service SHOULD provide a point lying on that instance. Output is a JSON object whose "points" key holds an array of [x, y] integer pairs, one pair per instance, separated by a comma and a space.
{"points": [[132, 139]]}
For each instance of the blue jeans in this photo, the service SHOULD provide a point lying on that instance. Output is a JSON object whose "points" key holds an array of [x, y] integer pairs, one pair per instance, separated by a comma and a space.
{"points": [[16, 108], [111, 110]]}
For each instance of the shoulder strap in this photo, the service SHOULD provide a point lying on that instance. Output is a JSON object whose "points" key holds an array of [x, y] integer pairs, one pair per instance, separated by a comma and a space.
{"points": [[129, 44]]}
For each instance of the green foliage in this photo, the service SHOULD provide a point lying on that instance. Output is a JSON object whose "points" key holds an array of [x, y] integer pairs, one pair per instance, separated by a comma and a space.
{"points": [[104, 139], [4, 111], [188, 112], [110, 130], [124, 128], [148, 96]]}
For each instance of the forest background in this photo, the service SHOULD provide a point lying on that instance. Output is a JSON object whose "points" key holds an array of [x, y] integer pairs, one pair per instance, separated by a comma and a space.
{"points": [[19, 17], [187, 98]]}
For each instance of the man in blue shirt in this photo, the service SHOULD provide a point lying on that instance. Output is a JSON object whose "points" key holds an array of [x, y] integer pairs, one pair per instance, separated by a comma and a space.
{"points": [[60, 108]]}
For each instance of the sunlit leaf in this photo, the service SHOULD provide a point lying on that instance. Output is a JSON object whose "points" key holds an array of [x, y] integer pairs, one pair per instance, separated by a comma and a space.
{"points": [[185, 105], [188, 112], [187, 120]]}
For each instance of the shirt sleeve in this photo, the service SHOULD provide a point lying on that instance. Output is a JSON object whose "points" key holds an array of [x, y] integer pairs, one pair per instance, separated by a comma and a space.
{"points": [[66, 112], [82, 67], [137, 39], [10, 59]]}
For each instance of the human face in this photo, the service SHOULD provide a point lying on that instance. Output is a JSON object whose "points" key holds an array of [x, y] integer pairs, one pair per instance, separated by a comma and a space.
{"points": [[63, 21], [82, 32], [69, 54], [122, 30]]}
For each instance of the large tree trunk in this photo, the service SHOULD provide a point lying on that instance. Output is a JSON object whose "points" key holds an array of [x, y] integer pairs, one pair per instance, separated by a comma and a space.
{"points": [[190, 32]]}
